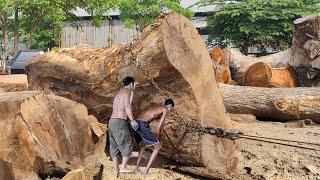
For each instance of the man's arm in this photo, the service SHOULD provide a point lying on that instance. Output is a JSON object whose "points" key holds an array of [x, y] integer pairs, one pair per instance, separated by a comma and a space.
{"points": [[127, 105], [161, 124]]}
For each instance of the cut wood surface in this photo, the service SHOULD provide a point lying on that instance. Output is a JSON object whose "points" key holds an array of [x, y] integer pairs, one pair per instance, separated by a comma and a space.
{"points": [[239, 63], [12, 83], [172, 52], [42, 135], [262, 75], [223, 74], [304, 52], [282, 104]]}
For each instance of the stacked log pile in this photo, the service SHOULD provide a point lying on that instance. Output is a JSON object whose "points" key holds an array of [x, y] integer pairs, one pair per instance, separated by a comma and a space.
{"points": [[303, 56]]}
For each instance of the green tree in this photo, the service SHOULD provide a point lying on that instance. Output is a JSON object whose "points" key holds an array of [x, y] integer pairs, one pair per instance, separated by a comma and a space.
{"points": [[6, 10], [141, 13], [42, 20], [259, 23]]}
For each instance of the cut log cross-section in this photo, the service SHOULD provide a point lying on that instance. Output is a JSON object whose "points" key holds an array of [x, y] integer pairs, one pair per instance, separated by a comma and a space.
{"points": [[190, 57], [173, 53], [304, 53], [262, 75]]}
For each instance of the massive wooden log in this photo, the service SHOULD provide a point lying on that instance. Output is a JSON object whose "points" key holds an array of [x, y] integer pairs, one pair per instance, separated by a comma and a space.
{"points": [[12, 83], [282, 104], [304, 52], [262, 75], [173, 53], [239, 63], [42, 135]]}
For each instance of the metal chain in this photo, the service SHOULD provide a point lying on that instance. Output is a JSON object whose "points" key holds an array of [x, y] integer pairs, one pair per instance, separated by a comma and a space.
{"points": [[207, 130]]}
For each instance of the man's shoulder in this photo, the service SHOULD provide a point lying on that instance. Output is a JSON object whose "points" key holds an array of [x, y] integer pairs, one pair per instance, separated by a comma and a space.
{"points": [[163, 108], [124, 92]]}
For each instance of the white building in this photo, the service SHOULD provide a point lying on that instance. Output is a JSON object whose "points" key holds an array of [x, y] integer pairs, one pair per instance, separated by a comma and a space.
{"points": [[112, 32]]}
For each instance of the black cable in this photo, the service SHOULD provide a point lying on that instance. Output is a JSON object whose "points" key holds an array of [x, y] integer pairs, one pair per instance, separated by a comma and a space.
{"points": [[281, 140], [255, 139]]}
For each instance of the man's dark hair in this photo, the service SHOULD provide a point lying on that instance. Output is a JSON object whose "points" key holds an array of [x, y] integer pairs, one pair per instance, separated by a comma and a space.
{"points": [[168, 102], [128, 80]]}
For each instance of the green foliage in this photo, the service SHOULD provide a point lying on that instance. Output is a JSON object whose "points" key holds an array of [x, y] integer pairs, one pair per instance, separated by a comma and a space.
{"points": [[41, 20], [141, 13], [259, 23], [98, 9]]}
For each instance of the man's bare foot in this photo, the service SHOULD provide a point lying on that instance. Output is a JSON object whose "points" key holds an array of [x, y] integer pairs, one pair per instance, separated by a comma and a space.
{"points": [[146, 173], [125, 170]]}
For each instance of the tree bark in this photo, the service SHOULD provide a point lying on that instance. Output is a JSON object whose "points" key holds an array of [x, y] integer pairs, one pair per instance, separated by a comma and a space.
{"points": [[16, 29], [173, 53], [282, 104], [31, 36], [5, 34]]}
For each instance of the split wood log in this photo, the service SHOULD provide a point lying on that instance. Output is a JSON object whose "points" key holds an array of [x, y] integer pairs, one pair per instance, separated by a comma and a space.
{"points": [[221, 65], [220, 56], [217, 55], [282, 104], [172, 52], [43, 135], [262, 75], [223, 74]]}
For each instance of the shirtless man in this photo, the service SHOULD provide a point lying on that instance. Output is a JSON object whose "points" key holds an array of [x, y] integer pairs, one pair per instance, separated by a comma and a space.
{"points": [[119, 135], [149, 138]]}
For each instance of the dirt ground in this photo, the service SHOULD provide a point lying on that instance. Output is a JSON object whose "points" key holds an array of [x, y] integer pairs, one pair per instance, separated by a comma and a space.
{"points": [[259, 160], [263, 160], [157, 171]]}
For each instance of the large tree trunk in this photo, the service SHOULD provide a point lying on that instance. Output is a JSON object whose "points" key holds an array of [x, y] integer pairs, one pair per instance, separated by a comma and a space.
{"points": [[282, 104], [5, 33], [174, 54], [31, 36]]}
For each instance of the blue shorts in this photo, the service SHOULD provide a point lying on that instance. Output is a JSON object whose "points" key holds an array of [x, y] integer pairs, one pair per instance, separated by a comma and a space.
{"points": [[148, 137]]}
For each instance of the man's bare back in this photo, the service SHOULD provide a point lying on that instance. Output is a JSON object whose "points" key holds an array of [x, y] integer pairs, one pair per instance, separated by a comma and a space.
{"points": [[120, 104], [153, 113]]}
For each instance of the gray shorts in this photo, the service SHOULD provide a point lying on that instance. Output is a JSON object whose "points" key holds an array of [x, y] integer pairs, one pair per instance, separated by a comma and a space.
{"points": [[120, 138]]}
